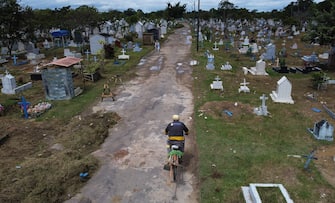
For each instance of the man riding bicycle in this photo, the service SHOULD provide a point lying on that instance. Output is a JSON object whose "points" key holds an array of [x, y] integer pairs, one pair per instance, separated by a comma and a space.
{"points": [[176, 131]]}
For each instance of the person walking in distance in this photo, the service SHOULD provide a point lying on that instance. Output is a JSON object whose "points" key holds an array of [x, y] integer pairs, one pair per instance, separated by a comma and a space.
{"points": [[157, 46]]}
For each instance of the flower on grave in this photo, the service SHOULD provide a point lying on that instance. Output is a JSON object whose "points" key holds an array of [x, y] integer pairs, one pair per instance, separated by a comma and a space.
{"points": [[40, 107]]}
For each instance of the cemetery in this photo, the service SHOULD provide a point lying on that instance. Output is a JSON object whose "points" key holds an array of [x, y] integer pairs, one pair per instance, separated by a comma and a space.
{"points": [[258, 72]]}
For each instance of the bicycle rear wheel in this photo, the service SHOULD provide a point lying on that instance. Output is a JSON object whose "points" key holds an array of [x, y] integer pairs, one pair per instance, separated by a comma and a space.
{"points": [[175, 173]]}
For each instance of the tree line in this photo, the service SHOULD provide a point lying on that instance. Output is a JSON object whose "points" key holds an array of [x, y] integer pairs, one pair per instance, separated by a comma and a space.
{"points": [[19, 23]]}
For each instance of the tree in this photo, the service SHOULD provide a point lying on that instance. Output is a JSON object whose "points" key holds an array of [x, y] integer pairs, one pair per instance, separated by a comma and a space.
{"points": [[225, 8], [11, 23], [176, 11], [324, 27]]}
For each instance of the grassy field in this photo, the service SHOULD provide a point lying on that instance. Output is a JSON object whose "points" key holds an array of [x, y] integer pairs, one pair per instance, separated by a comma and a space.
{"points": [[245, 148]]}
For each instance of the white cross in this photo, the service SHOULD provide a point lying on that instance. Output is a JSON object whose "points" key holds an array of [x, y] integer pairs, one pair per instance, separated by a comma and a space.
{"points": [[244, 83], [217, 78], [123, 52]]}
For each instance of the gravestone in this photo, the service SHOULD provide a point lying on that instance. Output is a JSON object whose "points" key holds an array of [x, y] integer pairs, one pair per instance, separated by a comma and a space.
{"points": [[283, 92], [8, 84], [58, 84], [68, 53], [215, 48], [46, 44], [263, 109], [226, 66], [130, 45], [259, 69], [270, 52], [254, 48], [294, 46], [217, 84], [210, 62], [243, 49], [123, 55], [15, 58], [322, 130], [310, 60], [245, 42], [137, 48], [57, 79], [243, 87]]}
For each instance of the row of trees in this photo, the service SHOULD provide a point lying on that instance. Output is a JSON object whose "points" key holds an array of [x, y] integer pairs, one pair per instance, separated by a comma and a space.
{"points": [[19, 23]]}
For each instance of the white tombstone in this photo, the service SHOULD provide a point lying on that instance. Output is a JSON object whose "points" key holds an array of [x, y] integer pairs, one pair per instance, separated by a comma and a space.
{"points": [[243, 87], [243, 49], [283, 92], [68, 53], [72, 44], [259, 69], [221, 42], [8, 84], [294, 46], [226, 66], [217, 84], [123, 55], [254, 48], [246, 41], [324, 56]]}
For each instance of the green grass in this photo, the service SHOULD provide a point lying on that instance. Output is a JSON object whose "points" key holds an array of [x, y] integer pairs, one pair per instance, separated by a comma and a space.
{"points": [[247, 148]]}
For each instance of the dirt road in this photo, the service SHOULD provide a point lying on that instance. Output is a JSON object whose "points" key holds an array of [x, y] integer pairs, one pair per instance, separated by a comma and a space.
{"points": [[135, 152]]}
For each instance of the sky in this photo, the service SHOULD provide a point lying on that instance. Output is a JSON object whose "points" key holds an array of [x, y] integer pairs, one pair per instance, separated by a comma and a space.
{"points": [[155, 5]]}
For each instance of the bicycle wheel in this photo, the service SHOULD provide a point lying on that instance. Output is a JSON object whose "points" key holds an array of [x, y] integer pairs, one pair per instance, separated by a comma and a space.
{"points": [[175, 173]]}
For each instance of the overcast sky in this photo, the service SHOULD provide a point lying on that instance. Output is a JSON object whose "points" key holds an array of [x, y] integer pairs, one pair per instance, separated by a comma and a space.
{"points": [[155, 5]]}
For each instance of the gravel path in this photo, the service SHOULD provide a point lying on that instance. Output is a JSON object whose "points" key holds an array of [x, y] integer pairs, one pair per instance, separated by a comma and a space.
{"points": [[134, 154]]}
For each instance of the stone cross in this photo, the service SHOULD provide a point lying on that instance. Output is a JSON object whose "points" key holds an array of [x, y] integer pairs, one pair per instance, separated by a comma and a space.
{"points": [[263, 98], [244, 83], [15, 58], [24, 105], [217, 78], [123, 52]]}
